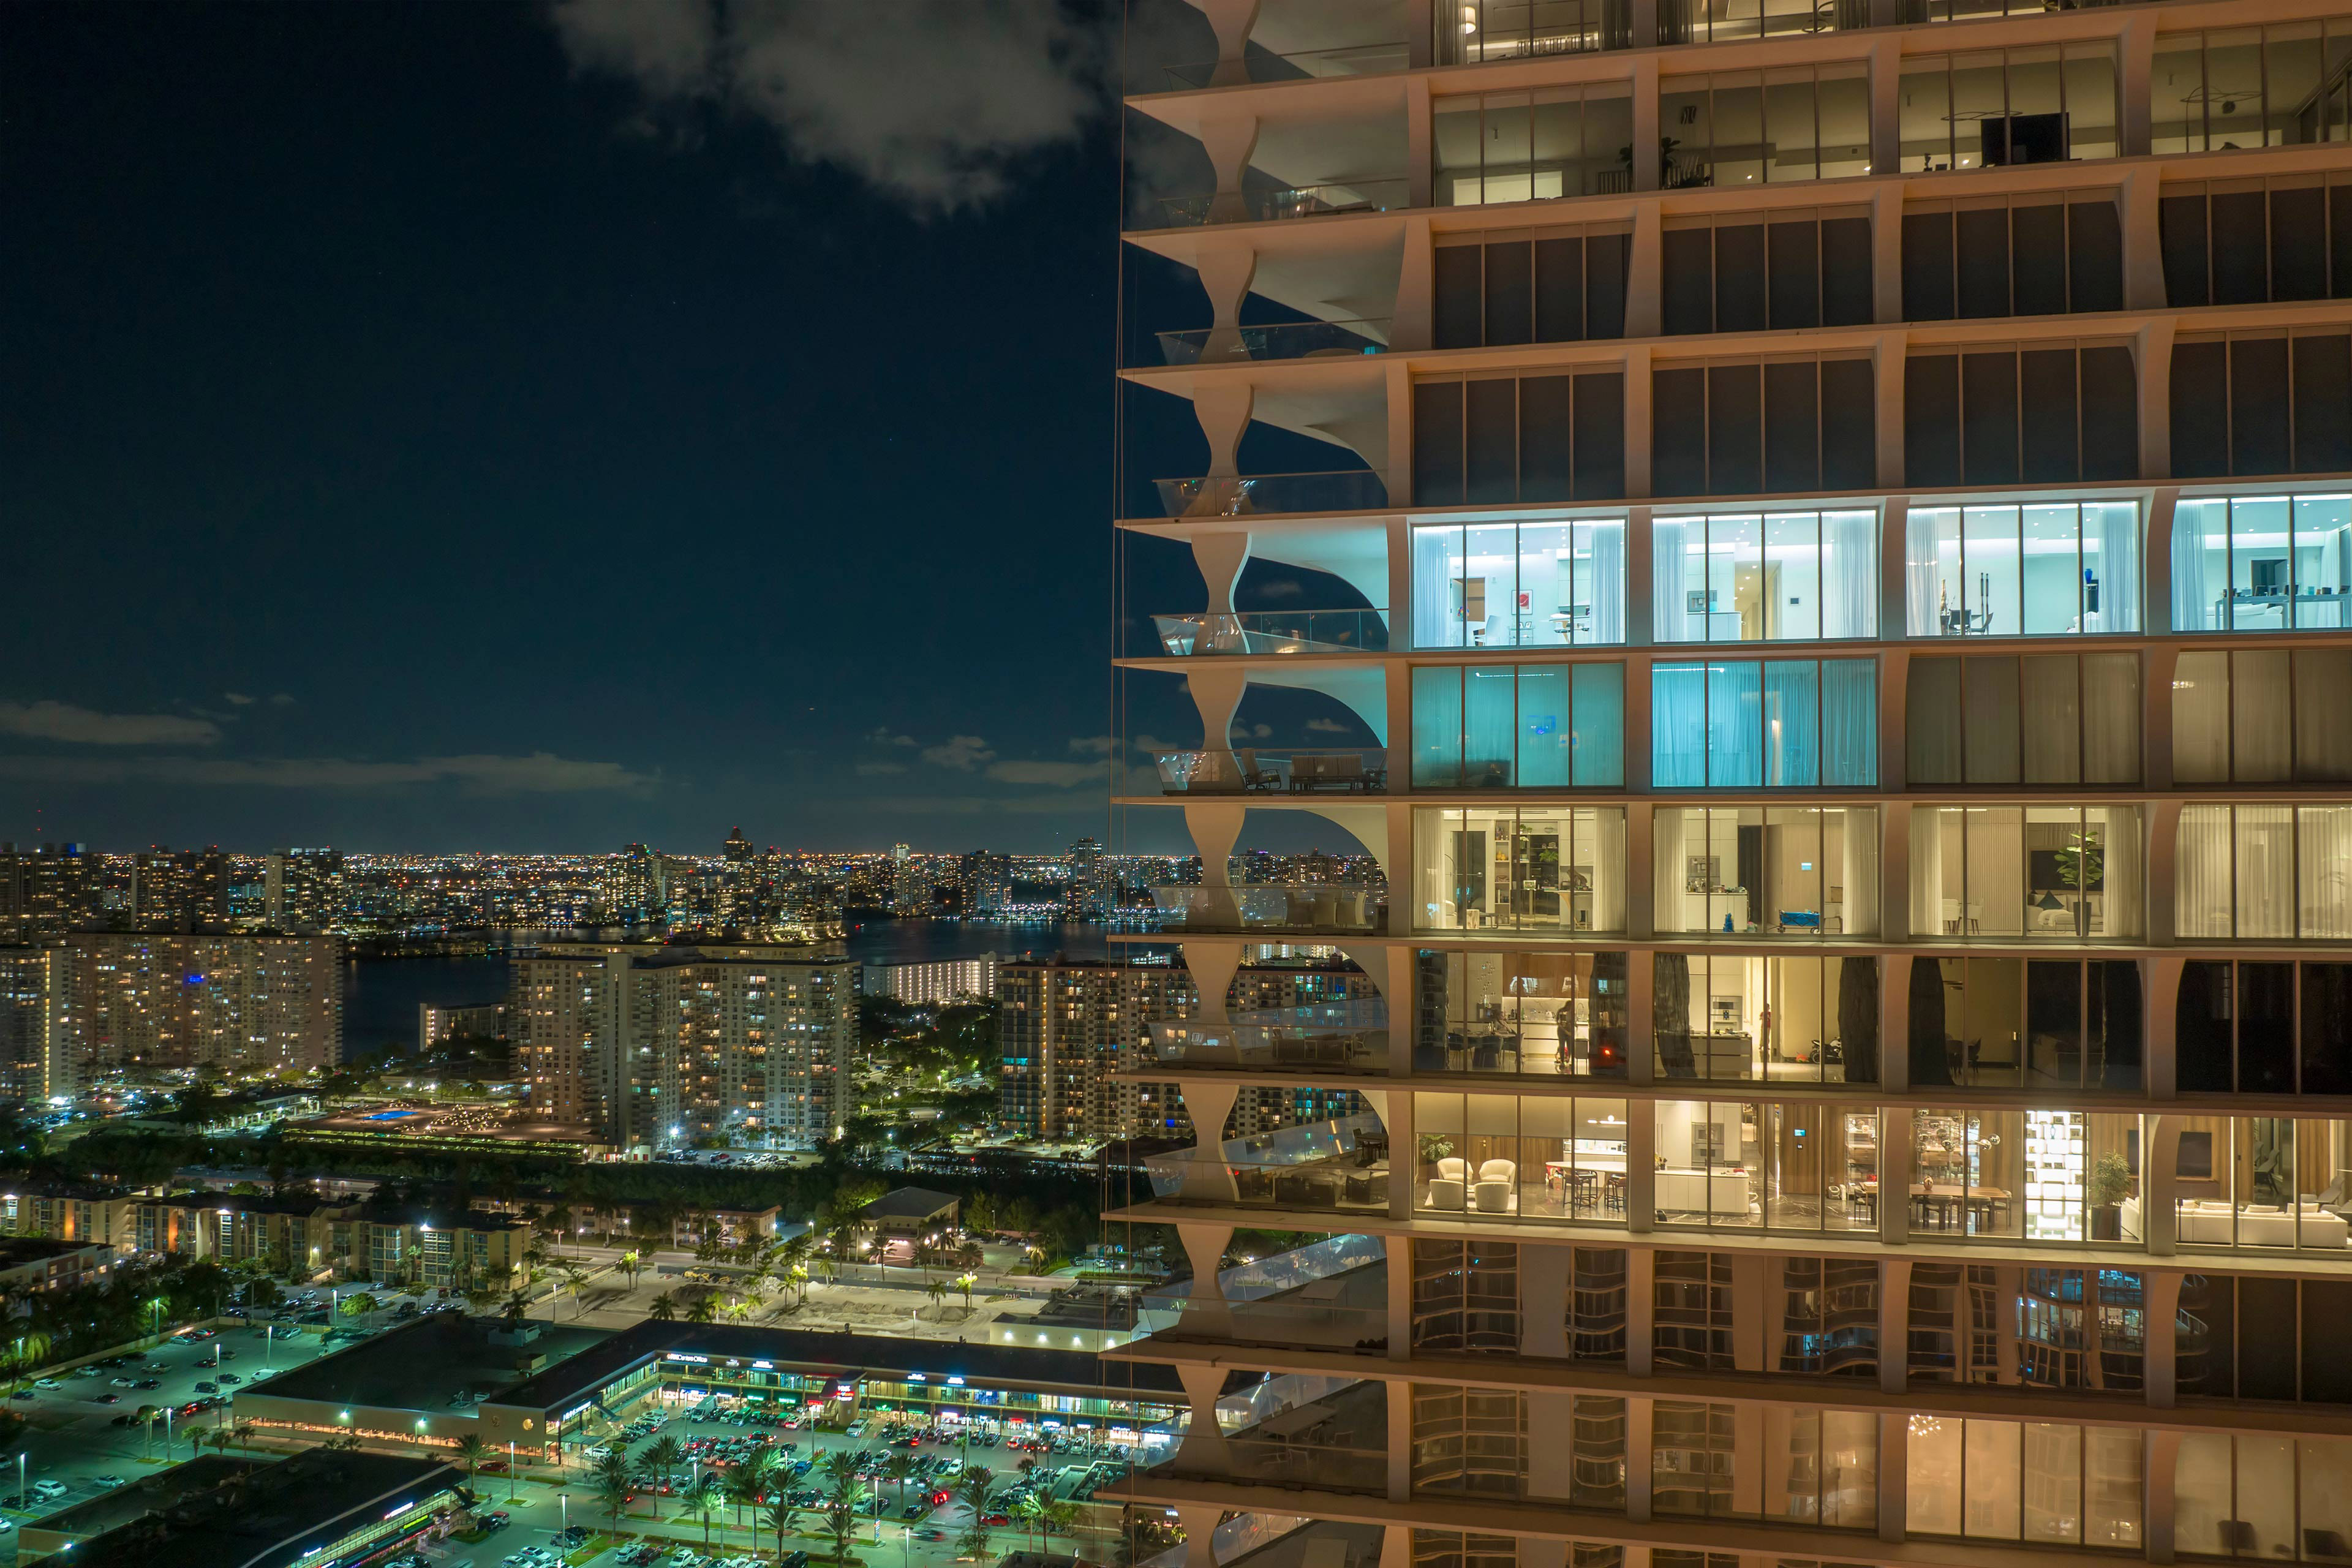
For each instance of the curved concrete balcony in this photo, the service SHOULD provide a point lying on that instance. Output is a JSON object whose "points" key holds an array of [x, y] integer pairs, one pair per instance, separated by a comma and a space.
{"points": [[1231, 634], [1257, 771], [1342, 1037], [1300, 64], [1320, 909], [1375, 194], [1286, 340], [1272, 495]]}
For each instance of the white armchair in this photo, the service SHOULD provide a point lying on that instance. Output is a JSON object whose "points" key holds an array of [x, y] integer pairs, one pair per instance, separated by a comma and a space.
{"points": [[1497, 1191]]}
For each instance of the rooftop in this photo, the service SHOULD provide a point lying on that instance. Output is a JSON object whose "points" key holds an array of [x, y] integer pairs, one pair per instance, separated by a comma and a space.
{"points": [[223, 1513], [579, 1378], [907, 1203], [17, 1249], [425, 1365]]}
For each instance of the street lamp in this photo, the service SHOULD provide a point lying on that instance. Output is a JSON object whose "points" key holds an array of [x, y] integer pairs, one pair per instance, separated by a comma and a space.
{"points": [[510, 1470]]}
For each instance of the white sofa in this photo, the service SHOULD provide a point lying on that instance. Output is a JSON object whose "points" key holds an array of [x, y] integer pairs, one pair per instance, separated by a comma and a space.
{"points": [[2208, 1222], [1497, 1191]]}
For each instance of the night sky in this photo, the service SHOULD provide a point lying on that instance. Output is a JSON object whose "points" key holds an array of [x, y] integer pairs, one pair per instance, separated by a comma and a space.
{"points": [[486, 426]]}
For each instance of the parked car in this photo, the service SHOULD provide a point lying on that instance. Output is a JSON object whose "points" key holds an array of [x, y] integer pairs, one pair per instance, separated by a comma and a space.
{"points": [[48, 1491], [109, 1480], [109, 1399]]}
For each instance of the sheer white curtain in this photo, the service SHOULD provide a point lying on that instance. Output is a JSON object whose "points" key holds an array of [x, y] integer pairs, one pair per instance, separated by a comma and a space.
{"points": [[1437, 561], [2111, 718], [1919, 577], [2200, 872], [1607, 834], [1850, 574], [1860, 871], [2124, 909], [1667, 604], [1608, 580], [1669, 855], [2118, 535], [2324, 869], [2193, 596], [2201, 718], [2323, 701], [2265, 849], [1928, 869]]}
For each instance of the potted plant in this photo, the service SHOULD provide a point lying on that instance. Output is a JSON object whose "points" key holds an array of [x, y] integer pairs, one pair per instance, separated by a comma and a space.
{"points": [[2110, 1181], [1435, 1146]]}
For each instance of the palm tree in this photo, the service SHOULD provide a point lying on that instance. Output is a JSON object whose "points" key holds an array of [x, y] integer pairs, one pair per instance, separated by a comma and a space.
{"points": [[970, 1257], [899, 1467], [797, 1277], [613, 1481], [970, 1489], [146, 1416], [842, 1505], [663, 1308], [965, 1282], [471, 1451], [743, 1491], [664, 1455], [703, 1308], [737, 1308], [244, 1433], [938, 1292], [780, 1520], [705, 1501]]}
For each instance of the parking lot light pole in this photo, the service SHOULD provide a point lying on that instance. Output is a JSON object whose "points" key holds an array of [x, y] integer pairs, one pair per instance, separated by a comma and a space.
{"points": [[510, 1470]]}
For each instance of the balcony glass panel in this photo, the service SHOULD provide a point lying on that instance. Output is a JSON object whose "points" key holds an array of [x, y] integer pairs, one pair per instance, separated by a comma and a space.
{"points": [[2250, 87], [1322, 1434], [1257, 633], [1532, 726], [1532, 146], [1775, 577], [1529, 584], [1282, 340], [2040, 569], [1496, 1154], [2263, 871], [1304, 65], [1773, 724], [1742, 1018], [1363, 194], [1548, 1014], [1477, 31], [2055, 873], [1321, 908], [2256, 564], [1556, 869], [1341, 1164], [1346, 1034], [2042, 105], [1251, 495], [1272, 771]]}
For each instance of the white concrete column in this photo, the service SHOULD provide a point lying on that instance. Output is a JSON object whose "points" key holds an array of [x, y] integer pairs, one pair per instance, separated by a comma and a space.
{"points": [[1886, 247], [1895, 1173], [1887, 369], [1209, 1102], [2161, 1325], [1222, 558], [1199, 1522], [1894, 553], [1646, 133], [1400, 1412], [2136, 58], [1641, 1012], [2161, 1451], [2156, 576], [1887, 121], [1404, 1153], [1229, 143], [1641, 1167], [1206, 1310], [1637, 425], [1203, 1451], [1894, 684], [1420, 142], [1893, 1474], [2162, 847], [1544, 1271], [2160, 1025], [1224, 411], [2153, 355], [1225, 273], [1893, 1324], [1412, 325], [1232, 21], [1398, 477], [1645, 273], [1399, 1302], [1894, 879], [1641, 1443], [1640, 580], [2159, 1182], [2143, 239]]}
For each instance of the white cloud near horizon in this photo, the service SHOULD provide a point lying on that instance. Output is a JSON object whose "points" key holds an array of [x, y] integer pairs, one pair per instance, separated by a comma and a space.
{"points": [[931, 103], [65, 723], [541, 773]]}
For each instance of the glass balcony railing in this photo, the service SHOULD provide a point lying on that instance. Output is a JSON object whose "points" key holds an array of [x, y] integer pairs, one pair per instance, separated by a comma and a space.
{"points": [[1330, 1294], [1282, 340], [1336, 1037], [1255, 495], [1348, 59], [1320, 1433], [1249, 771], [1339, 1166], [1377, 194], [1328, 909], [1273, 631]]}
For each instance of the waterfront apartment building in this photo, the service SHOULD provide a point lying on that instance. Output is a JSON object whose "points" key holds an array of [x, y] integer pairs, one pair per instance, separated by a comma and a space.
{"points": [[653, 1043], [1076, 1039], [928, 983], [243, 1002], [1833, 548]]}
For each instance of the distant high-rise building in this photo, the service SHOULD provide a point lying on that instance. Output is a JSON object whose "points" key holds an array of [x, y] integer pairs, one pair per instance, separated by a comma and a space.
{"points": [[45, 892], [933, 981], [651, 1044], [910, 887], [28, 1060], [738, 850], [1089, 891], [303, 889], [179, 891], [987, 882], [243, 1001]]}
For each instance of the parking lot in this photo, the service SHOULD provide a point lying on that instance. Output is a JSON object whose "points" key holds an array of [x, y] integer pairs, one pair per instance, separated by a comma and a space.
{"points": [[82, 1440]]}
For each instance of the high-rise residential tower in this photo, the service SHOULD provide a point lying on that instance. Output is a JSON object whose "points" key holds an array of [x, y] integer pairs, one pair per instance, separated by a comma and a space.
{"points": [[1826, 585]]}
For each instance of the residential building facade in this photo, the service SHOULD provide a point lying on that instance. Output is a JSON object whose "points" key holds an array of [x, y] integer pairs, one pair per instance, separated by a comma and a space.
{"points": [[1834, 546], [243, 1002]]}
